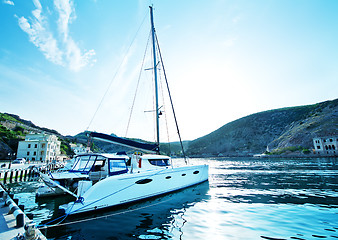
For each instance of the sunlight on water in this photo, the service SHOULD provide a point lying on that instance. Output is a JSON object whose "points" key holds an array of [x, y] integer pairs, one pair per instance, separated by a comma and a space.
{"points": [[245, 198]]}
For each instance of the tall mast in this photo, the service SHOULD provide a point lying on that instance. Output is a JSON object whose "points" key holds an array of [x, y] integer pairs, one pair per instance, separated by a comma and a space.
{"points": [[155, 79]]}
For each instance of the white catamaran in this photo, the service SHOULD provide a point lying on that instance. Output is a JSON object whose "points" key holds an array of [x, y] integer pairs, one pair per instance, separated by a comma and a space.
{"points": [[106, 180]]}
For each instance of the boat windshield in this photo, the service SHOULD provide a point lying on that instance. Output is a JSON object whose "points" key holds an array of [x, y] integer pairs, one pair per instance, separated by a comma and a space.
{"points": [[159, 162], [117, 166], [85, 163]]}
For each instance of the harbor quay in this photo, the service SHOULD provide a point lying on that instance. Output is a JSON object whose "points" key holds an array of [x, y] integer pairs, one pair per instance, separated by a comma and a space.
{"points": [[14, 224]]}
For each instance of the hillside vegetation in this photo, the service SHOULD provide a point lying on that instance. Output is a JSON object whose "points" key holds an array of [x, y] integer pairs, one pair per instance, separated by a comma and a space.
{"points": [[287, 128], [14, 129], [282, 130]]}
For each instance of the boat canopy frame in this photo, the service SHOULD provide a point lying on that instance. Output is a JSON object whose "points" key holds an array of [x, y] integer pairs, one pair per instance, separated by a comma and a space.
{"points": [[87, 162]]}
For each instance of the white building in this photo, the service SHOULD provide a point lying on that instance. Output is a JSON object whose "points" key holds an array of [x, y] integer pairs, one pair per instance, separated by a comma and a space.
{"points": [[39, 147], [79, 148], [326, 146]]}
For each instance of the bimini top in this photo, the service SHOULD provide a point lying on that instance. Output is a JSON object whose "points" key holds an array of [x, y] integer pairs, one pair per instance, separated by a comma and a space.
{"points": [[125, 142]]}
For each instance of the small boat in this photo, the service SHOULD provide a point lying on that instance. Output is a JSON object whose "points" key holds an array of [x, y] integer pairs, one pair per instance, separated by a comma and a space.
{"points": [[106, 180]]}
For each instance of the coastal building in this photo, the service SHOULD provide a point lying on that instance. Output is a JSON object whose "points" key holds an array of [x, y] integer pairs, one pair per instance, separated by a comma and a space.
{"points": [[326, 146], [39, 147], [79, 148]]}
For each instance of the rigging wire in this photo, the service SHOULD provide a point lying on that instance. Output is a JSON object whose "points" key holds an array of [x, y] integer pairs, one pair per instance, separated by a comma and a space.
{"points": [[171, 101], [117, 71], [165, 113], [138, 82]]}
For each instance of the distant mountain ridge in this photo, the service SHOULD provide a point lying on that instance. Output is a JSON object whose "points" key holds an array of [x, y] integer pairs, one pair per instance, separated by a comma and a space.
{"points": [[279, 128]]}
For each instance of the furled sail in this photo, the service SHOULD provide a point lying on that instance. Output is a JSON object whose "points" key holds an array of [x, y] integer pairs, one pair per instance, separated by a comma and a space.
{"points": [[125, 142]]}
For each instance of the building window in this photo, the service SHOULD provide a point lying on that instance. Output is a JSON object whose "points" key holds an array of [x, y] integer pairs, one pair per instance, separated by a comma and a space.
{"points": [[29, 146], [43, 145], [333, 147], [27, 153], [318, 147], [35, 146], [330, 139], [34, 154]]}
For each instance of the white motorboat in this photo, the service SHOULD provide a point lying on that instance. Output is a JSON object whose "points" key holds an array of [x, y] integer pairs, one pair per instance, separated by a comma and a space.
{"points": [[107, 180]]}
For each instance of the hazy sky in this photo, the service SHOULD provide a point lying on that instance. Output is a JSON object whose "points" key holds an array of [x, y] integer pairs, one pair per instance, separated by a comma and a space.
{"points": [[224, 59]]}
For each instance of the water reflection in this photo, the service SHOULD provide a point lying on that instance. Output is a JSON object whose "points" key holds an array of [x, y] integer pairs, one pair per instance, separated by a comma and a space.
{"points": [[245, 198], [151, 219], [276, 181]]}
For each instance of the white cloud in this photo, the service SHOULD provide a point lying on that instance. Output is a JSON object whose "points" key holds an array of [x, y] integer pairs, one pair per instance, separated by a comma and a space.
{"points": [[73, 53], [37, 4], [63, 50], [8, 2], [42, 38], [65, 9]]}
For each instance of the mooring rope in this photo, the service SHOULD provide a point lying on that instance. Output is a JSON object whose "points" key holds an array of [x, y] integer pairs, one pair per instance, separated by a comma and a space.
{"points": [[104, 216], [70, 212]]}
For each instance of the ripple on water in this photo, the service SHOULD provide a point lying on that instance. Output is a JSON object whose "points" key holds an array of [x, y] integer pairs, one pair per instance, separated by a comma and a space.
{"points": [[244, 199]]}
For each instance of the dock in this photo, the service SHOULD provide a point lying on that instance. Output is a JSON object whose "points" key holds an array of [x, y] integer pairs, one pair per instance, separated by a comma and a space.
{"points": [[14, 224]]}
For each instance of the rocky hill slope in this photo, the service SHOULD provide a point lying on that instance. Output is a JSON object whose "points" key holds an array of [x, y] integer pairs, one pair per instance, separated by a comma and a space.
{"points": [[278, 129], [14, 129]]}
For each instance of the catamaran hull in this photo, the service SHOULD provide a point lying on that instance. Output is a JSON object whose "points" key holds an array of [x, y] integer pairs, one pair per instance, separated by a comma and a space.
{"points": [[118, 190]]}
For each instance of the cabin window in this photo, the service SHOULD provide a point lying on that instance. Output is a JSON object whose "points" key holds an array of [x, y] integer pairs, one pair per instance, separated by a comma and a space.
{"points": [[144, 181], [83, 163], [167, 177], [99, 164], [117, 166], [196, 172], [184, 174], [159, 162]]}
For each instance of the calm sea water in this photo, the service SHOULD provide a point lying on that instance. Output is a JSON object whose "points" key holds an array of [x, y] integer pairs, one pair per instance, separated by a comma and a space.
{"points": [[245, 198]]}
